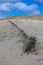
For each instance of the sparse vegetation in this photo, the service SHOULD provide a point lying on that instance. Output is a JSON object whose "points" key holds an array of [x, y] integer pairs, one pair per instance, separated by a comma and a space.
{"points": [[29, 45]]}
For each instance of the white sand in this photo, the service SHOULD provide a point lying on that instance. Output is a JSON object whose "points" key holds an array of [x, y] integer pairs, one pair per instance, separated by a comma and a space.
{"points": [[10, 50]]}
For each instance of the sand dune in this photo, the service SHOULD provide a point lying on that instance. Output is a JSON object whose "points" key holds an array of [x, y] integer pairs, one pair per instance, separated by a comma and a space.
{"points": [[11, 32]]}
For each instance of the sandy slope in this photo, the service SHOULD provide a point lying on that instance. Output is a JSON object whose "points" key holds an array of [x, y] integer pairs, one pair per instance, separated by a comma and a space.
{"points": [[10, 49]]}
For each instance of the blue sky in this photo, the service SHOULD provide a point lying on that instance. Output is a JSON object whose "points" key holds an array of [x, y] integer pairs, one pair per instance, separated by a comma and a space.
{"points": [[20, 8]]}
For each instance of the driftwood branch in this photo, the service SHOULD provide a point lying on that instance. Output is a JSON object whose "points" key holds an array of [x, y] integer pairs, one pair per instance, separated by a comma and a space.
{"points": [[29, 43]]}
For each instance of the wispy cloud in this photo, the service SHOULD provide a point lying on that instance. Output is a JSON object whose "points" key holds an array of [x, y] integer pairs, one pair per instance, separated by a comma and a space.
{"points": [[36, 12], [7, 7], [4, 6], [24, 6], [33, 8]]}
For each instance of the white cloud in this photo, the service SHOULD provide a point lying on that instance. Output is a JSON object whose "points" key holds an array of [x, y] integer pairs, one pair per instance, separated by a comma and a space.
{"points": [[7, 7], [33, 8], [36, 12], [19, 6], [24, 6], [4, 7]]}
